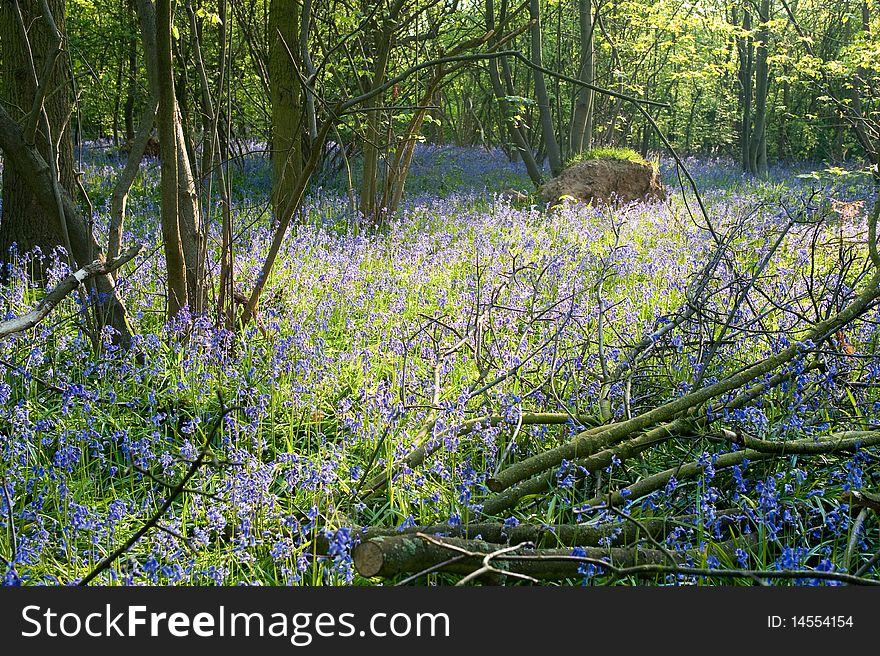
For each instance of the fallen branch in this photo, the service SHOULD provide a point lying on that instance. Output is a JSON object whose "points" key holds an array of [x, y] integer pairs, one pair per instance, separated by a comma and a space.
{"points": [[508, 498], [845, 441], [62, 289], [558, 535], [427, 444], [652, 569], [587, 444], [542, 483], [390, 556]]}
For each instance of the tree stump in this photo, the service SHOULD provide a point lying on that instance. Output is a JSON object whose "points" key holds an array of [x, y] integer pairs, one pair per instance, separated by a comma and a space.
{"points": [[613, 181]]}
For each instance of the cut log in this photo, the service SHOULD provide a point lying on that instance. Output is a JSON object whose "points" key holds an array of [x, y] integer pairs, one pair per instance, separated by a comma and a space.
{"points": [[392, 555]]}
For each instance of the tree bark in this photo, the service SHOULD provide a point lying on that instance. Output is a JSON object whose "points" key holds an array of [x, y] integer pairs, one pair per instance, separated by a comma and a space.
{"points": [[745, 53], [119, 197], [167, 121], [131, 89], [393, 555], [309, 69], [24, 221], [192, 233], [381, 35], [287, 161], [183, 231]]}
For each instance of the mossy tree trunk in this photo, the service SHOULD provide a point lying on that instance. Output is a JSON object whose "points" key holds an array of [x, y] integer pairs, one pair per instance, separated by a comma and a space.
{"points": [[39, 187], [286, 92]]}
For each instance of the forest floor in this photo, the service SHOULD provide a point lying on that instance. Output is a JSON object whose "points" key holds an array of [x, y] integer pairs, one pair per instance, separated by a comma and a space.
{"points": [[452, 327]]}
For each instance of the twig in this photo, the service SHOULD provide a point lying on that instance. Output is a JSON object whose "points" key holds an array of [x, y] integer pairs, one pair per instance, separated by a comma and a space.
{"points": [[176, 492]]}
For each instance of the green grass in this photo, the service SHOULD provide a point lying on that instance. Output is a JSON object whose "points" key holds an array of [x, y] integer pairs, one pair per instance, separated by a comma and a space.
{"points": [[609, 152]]}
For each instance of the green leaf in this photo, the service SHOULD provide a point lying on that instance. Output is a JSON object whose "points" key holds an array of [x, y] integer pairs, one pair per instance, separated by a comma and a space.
{"points": [[210, 16]]}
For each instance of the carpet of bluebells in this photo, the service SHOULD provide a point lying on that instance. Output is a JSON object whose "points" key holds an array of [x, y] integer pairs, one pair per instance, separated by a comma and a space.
{"points": [[362, 333]]}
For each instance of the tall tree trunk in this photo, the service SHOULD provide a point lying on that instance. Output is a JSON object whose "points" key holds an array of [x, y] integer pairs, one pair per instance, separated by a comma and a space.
{"points": [[782, 149], [168, 122], [24, 221], [609, 134], [131, 89], [856, 118], [182, 227], [119, 197], [582, 124], [696, 92], [548, 134], [381, 36], [39, 209], [117, 96], [758, 142], [401, 159], [745, 50], [226, 284], [206, 174], [223, 73], [287, 161], [310, 70], [193, 239]]}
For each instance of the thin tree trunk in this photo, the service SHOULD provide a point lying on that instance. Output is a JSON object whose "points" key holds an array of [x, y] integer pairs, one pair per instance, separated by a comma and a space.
{"points": [[222, 81], [782, 140], [857, 90], [117, 97], [609, 134], [689, 127], [182, 230], [207, 108], [310, 70], [758, 142], [123, 183], [131, 90], [548, 134], [745, 51], [192, 235], [372, 143], [399, 170], [582, 124], [226, 285], [168, 122]]}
